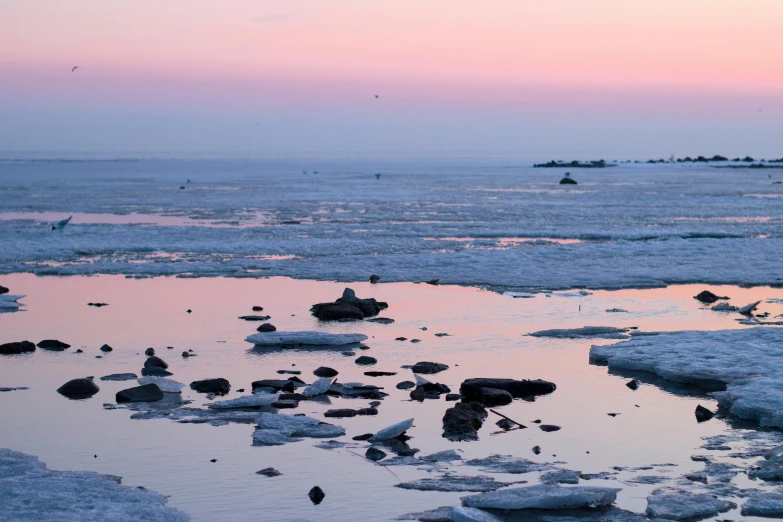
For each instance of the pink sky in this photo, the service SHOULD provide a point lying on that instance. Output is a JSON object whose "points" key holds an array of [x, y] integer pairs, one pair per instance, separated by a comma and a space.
{"points": [[309, 59]]}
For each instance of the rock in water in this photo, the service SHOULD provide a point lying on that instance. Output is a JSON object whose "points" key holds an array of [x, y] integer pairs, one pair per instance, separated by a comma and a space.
{"points": [[427, 367], [16, 348], [155, 362], [78, 389], [633, 384], [544, 497], [707, 297], [266, 327], [568, 181], [325, 371], [269, 472], [53, 344], [374, 454], [463, 421], [393, 431], [365, 360], [119, 377], [348, 307], [217, 386], [304, 339], [471, 389], [258, 308], [316, 495], [406, 385], [149, 352], [703, 414], [373, 279], [146, 393], [106, 348], [4, 290], [493, 397], [154, 371]]}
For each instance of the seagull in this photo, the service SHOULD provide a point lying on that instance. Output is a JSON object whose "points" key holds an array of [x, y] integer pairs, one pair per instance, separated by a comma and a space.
{"points": [[60, 225], [377, 175], [74, 68]]}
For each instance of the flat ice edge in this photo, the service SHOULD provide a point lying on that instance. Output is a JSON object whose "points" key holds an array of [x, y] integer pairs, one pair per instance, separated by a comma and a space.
{"points": [[304, 338], [31, 491], [748, 362]]}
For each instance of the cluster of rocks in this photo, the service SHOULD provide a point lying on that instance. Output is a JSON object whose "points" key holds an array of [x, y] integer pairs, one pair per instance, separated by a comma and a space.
{"points": [[348, 308]]}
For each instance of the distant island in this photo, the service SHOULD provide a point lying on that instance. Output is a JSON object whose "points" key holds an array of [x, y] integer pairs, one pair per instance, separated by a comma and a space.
{"points": [[747, 162], [600, 164]]}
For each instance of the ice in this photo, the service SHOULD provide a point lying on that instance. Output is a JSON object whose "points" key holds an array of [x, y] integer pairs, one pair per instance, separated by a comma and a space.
{"points": [[442, 456], [467, 514], [587, 332], [441, 514], [544, 497], [304, 338], [746, 361], [770, 469], [454, 483], [278, 429], [561, 476], [520, 295], [246, 401], [319, 387], [8, 302], [30, 491], [761, 504], [165, 385], [507, 464], [286, 423], [681, 505], [664, 232], [393, 431]]}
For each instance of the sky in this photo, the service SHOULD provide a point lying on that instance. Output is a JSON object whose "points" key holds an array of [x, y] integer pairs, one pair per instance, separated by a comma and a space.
{"points": [[561, 78]]}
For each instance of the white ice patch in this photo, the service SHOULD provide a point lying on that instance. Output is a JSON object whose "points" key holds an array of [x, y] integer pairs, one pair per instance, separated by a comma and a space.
{"points": [[30, 491], [165, 385], [681, 505], [395, 430], [746, 360], [246, 401], [319, 387], [544, 497], [304, 338], [277, 429], [8, 302], [467, 514]]}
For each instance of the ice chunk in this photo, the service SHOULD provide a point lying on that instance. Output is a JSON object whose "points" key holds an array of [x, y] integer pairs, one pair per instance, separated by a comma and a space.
{"points": [[748, 308], [421, 381], [8, 302], [742, 361], [278, 429], [770, 469], [586, 332], [440, 514], [468, 514], [272, 438], [319, 387], [544, 496], [304, 338], [520, 295], [285, 423], [246, 401], [165, 385], [507, 464], [762, 504], [31, 491], [679, 505], [561, 476], [442, 456], [393, 431], [454, 483]]}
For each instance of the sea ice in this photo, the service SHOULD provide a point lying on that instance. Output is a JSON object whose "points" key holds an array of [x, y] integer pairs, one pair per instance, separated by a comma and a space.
{"points": [[304, 338], [544, 496], [587, 332], [31, 491], [764, 504], [246, 401], [454, 483], [468, 514], [680, 505], [278, 429], [165, 385], [8, 302], [319, 387], [393, 431], [507, 464], [746, 361]]}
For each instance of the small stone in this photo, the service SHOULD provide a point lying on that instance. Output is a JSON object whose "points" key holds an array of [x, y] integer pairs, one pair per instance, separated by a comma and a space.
{"points": [[325, 371], [285, 404], [505, 424], [406, 385], [379, 374], [366, 361], [268, 472], [213, 460], [189, 311], [453, 396], [549, 428], [537, 450], [349, 353], [154, 371], [149, 351], [374, 279], [53, 344], [374, 454], [185, 355], [703, 414], [364, 347], [106, 348], [217, 386], [79, 350], [78, 389], [258, 308], [266, 327], [365, 436], [155, 362], [145, 393], [613, 414], [341, 413], [401, 339], [633, 384], [316, 495]]}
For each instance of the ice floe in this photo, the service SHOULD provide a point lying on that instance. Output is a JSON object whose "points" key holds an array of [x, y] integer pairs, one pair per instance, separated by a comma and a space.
{"points": [[587, 332], [246, 401], [278, 429], [31, 491], [306, 338], [458, 483], [681, 505], [393, 431], [165, 385], [544, 497], [8, 302], [507, 464]]}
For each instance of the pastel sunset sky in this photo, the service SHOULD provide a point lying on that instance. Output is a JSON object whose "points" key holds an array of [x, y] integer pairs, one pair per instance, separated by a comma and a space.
{"points": [[581, 78]]}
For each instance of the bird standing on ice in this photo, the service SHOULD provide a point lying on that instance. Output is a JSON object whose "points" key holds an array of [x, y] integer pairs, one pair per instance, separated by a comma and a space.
{"points": [[60, 225]]}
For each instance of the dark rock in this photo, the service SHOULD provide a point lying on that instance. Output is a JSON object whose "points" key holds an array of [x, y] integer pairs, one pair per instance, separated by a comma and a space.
{"points": [[348, 353], [406, 385], [415, 341], [632, 384], [258, 308], [379, 374], [155, 371], [401, 339], [78, 389], [505, 424], [364, 347], [537, 421], [347, 307], [255, 317], [53, 344], [98, 305], [79, 350], [471, 389], [375, 404], [341, 413], [427, 367], [435, 387], [119, 377], [268, 472], [106, 348], [316, 495], [189, 310], [418, 394], [549, 427], [374, 454], [568, 181], [493, 397], [295, 379], [373, 279], [366, 436], [381, 320], [17, 348], [266, 327], [17, 388], [463, 421], [146, 393], [325, 371], [213, 460], [284, 405], [155, 362], [432, 281], [3, 290], [703, 414], [289, 372], [365, 360], [217, 386], [186, 354], [453, 397], [708, 297], [149, 351], [442, 334], [367, 411], [537, 450]]}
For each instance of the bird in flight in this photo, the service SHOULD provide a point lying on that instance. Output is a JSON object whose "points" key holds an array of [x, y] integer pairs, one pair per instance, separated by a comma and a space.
{"points": [[60, 225], [376, 96], [74, 68]]}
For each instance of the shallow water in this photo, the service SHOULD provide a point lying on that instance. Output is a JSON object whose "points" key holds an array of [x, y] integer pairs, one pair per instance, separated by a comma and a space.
{"points": [[488, 339]]}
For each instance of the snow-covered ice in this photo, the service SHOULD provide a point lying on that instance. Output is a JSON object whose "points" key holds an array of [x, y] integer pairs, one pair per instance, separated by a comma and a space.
{"points": [[458, 483], [544, 497], [746, 361], [278, 429], [393, 431], [9, 302], [680, 505], [761, 504], [586, 332], [304, 338], [246, 401], [165, 385], [467, 514], [319, 387], [507, 464], [31, 491]]}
